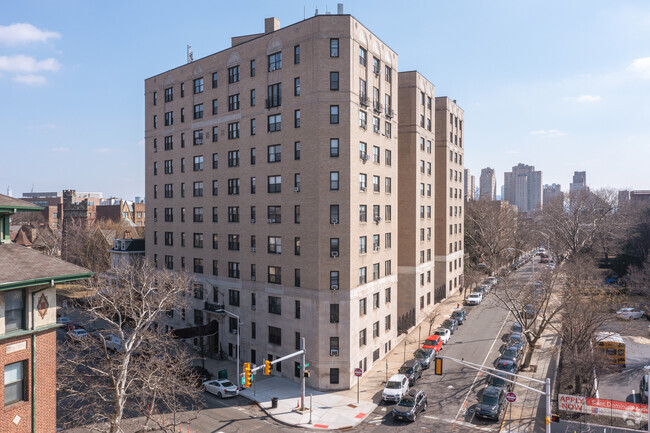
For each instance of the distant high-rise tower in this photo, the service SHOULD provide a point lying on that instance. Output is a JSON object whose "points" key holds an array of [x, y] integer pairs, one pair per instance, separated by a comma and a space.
{"points": [[488, 184], [469, 186], [522, 187], [579, 181], [552, 192]]}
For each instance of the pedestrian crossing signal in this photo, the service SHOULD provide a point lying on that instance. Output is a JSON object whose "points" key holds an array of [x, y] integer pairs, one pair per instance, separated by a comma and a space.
{"points": [[438, 366]]}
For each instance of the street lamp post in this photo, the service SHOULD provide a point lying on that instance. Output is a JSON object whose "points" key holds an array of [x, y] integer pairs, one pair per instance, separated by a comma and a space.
{"points": [[238, 348]]}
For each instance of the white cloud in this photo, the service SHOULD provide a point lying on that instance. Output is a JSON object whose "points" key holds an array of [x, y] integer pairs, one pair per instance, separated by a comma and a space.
{"points": [[60, 149], [583, 98], [28, 65], [21, 33], [548, 133], [641, 66], [30, 79]]}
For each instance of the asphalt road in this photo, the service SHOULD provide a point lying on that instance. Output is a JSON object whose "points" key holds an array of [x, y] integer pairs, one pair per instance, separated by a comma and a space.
{"points": [[452, 397]]}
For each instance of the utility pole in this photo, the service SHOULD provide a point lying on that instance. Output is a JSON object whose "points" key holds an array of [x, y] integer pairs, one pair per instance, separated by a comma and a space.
{"points": [[302, 371]]}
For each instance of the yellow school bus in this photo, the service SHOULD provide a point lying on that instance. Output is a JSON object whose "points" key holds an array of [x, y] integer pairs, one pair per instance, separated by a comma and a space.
{"points": [[612, 347]]}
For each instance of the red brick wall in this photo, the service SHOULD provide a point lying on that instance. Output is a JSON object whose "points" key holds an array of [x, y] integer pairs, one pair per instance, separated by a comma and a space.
{"points": [[45, 385]]}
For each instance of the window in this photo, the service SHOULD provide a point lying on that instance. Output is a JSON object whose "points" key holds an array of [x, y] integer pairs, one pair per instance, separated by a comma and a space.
{"points": [[376, 66], [198, 111], [363, 277], [198, 85], [253, 185], [215, 187], [169, 238], [275, 305], [296, 277], [182, 139], [362, 338], [363, 53], [274, 184], [274, 214], [363, 245], [334, 279], [375, 271], [375, 154], [388, 130], [253, 128], [363, 181], [14, 311], [233, 269], [388, 157], [169, 262], [233, 298], [169, 166], [198, 215], [252, 64], [375, 330], [334, 114], [233, 158], [198, 189], [296, 182], [296, 119], [334, 147], [362, 92], [375, 183], [387, 323], [274, 245], [233, 102], [233, 242], [198, 163], [253, 156], [296, 54], [169, 214], [296, 214], [334, 180], [169, 142], [275, 61], [155, 98], [274, 153], [363, 213], [198, 137], [233, 214], [215, 214], [363, 310], [274, 95], [169, 119], [387, 267], [198, 266], [182, 90], [296, 86], [363, 119], [334, 247], [334, 80], [334, 313], [275, 336], [233, 74], [388, 185], [253, 98], [233, 186], [274, 123], [334, 52], [253, 214], [169, 94], [233, 130], [376, 125], [334, 214], [182, 115], [296, 150], [15, 383], [375, 242]]}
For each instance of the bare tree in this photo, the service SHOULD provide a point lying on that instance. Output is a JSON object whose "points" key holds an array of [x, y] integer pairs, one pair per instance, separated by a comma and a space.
{"points": [[48, 241], [85, 244], [471, 277], [106, 389]]}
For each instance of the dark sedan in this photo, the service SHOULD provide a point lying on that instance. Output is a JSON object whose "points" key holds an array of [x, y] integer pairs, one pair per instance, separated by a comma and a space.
{"points": [[459, 316], [517, 340], [450, 324], [491, 404], [498, 381], [511, 354], [507, 366], [410, 406]]}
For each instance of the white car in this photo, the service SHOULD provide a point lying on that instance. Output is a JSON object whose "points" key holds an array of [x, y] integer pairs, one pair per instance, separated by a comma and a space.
{"points": [[77, 334], [396, 387], [493, 280], [63, 320], [114, 343], [474, 298], [221, 388], [629, 313], [444, 334]]}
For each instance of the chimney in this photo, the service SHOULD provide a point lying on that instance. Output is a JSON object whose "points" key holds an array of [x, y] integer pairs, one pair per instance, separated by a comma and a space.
{"points": [[271, 25], [339, 9]]}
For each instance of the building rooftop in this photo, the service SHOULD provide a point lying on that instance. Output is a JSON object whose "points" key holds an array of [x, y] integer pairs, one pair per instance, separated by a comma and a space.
{"points": [[22, 267], [12, 205]]}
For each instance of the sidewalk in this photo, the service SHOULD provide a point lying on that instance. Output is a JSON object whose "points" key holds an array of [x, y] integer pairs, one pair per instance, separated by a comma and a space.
{"points": [[339, 409], [529, 403]]}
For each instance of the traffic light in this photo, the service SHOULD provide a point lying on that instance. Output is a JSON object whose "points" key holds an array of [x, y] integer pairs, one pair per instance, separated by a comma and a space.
{"points": [[247, 375], [438, 366], [267, 367], [555, 418], [307, 373]]}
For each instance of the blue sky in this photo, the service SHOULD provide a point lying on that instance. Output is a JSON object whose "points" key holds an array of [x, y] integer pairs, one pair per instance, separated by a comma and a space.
{"points": [[560, 85]]}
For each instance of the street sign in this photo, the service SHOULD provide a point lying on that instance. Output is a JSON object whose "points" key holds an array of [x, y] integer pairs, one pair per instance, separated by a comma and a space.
{"points": [[511, 397], [358, 372]]}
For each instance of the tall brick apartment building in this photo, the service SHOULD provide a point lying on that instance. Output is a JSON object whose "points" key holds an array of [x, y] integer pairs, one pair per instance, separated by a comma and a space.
{"points": [[28, 328], [274, 175]]}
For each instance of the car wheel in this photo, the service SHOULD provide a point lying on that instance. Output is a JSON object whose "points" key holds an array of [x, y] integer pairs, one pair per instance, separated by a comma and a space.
{"points": [[219, 394]]}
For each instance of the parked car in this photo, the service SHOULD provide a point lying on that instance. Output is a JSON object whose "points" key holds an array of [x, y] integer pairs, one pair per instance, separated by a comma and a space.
{"points": [[498, 382], [114, 343], [63, 320], [493, 280], [450, 324], [474, 298], [425, 356], [77, 334], [517, 340], [410, 406], [481, 290], [396, 387], [73, 325], [528, 311], [507, 366], [512, 354], [444, 334], [460, 316], [433, 342], [516, 328], [629, 314], [221, 388], [492, 403], [412, 369]]}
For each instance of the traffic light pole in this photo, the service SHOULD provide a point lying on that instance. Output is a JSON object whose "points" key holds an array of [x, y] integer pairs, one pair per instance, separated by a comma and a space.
{"points": [[302, 352]]}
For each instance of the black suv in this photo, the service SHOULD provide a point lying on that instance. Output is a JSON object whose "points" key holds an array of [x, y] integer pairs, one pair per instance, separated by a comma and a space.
{"points": [[491, 404], [459, 316], [409, 406], [412, 370], [498, 382], [511, 353]]}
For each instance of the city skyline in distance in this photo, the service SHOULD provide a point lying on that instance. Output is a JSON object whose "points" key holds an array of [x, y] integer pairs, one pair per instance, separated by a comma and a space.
{"points": [[563, 92]]}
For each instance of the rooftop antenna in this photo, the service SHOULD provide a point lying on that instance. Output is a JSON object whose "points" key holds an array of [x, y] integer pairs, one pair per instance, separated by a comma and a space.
{"points": [[190, 54]]}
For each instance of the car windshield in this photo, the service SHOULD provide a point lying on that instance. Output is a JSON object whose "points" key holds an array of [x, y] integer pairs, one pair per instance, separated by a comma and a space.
{"points": [[227, 384], [406, 370], [447, 323], [439, 333], [408, 402], [393, 385], [431, 342], [510, 352], [515, 338], [421, 354], [498, 381], [490, 400]]}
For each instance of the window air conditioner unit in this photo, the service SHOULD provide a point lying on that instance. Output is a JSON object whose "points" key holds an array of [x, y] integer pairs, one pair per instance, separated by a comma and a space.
{"points": [[155, 220], [334, 287], [376, 248], [429, 237], [253, 279], [252, 249], [363, 188], [366, 157], [253, 220], [296, 189], [253, 307], [334, 254], [334, 352], [233, 331], [271, 220], [334, 221]]}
